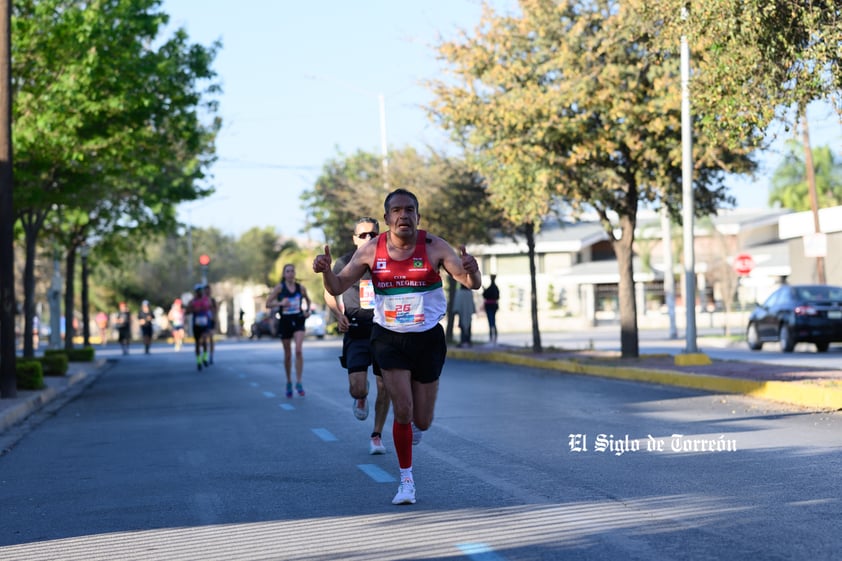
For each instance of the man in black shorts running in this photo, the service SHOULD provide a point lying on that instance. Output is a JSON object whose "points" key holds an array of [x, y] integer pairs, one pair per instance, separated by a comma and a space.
{"points": [[407, 339], [354, 312]]}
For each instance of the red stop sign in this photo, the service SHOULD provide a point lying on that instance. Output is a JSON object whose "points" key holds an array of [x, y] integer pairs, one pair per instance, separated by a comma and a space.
{"points": [[743, 264]]}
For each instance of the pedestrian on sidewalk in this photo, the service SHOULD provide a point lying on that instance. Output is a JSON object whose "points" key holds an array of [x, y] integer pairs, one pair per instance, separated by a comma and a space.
{"points": [[463, 305], [491, 297]]}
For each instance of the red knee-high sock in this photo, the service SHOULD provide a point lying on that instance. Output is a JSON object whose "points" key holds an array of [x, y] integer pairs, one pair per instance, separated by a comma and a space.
{"points": [[402, 436]]}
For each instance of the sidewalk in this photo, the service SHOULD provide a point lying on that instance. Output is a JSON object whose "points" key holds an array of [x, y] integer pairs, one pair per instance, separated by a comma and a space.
{"points": [[803, 387]]}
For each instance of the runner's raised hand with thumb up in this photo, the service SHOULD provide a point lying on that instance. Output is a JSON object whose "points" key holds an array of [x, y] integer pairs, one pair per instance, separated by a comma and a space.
{"points": [[322, 262]]}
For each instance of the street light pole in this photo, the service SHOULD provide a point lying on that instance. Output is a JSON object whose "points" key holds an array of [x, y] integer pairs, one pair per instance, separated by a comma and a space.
{"points": [[384, 149], [688, 216], [381, 100]]}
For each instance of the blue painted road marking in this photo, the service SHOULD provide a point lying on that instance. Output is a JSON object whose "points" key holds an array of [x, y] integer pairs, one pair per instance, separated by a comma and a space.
{"points": [[479, 552], [324, 434], [376, 473], [253, 384]]}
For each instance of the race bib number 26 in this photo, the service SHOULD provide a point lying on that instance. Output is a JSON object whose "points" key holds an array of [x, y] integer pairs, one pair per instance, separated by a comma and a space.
{"points": [[404, 310]]}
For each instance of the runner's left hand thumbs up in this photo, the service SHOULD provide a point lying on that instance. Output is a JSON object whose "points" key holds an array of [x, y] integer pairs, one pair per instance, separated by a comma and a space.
{"points": [[469, 262]]}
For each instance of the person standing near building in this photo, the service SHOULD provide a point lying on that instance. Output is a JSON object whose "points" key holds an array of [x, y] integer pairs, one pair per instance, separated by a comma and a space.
{"points": [[200, 308], [176, 317], [463, 305], [354, 312], [36, 331], [491, 297], [291, 297], [145, 319], [408, 342], [123, 323]]}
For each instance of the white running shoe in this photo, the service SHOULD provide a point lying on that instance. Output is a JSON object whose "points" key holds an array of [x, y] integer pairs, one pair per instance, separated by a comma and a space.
{"points": [[361, 409], [406, 493], [376, 446], [416, 434]]}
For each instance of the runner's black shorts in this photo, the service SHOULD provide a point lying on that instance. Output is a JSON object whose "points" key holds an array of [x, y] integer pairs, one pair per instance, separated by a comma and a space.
{"points": [[423, 353], [289, 324], [357, 355]]}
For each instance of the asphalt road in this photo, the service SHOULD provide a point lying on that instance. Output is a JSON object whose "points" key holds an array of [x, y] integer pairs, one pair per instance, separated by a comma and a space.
{"points": [[157, 461]]}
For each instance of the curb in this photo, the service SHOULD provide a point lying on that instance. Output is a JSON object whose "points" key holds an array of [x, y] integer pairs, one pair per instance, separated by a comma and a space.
{"points": [[804, 394], [16, 410]]}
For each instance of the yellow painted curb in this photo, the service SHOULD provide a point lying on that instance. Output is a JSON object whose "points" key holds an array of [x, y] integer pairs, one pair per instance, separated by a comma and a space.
{"points": [[692, 359], [805, 394]]}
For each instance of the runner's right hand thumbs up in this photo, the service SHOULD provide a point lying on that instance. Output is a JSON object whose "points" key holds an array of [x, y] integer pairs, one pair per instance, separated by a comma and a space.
{"points": [[322, 262]]}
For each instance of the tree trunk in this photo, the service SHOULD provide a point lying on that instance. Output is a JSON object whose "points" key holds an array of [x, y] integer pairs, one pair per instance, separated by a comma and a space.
{"points": [[30, 240], [69, 296], [629, 344], [529, 230], [8, 357]]}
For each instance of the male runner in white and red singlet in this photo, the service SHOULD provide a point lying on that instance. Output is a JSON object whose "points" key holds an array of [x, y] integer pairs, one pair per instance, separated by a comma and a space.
{"points": [[407, 340]]}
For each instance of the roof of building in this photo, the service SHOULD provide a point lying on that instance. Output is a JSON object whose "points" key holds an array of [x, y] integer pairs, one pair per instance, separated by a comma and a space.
{"points": [[555, 236]]}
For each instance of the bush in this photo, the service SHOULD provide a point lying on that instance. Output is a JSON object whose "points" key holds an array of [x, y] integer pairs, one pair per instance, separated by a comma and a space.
{"points": [[29, 374], [54, 363], [85, 354]]}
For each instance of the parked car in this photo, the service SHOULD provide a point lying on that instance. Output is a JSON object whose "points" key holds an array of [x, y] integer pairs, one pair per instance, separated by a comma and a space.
{"points": [[316, 325], [265, 324], [810, 313]]}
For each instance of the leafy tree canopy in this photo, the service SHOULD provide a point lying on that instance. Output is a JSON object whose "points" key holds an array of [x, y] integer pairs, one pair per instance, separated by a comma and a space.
{"points": [[789, 182]]}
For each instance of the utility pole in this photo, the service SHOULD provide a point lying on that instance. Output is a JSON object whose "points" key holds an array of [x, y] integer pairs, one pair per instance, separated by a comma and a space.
{"points": [[384, 148], [811, 189], [8, 366], [688, 205]]}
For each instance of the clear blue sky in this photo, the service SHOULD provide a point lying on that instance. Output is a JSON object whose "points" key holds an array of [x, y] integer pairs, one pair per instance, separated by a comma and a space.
{"points": [[301, 81]]}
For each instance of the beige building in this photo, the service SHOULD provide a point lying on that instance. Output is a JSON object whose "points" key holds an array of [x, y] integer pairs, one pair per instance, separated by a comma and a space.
{"points": [[577, 276]]}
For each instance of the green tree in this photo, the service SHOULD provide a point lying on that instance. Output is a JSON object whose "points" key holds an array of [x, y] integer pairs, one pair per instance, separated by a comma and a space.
{"points": [[758, 61], [110, 132], [453, 198], [570, 102], [789, 181]]}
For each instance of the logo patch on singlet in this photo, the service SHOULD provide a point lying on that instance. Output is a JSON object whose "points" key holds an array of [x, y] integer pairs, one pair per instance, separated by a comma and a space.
{"points": [[380, 265], [417, 262]]}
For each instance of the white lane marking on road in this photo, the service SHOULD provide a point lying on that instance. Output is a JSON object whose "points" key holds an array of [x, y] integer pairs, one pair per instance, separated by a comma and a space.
{"points": [[287, 407], [376, 473], [254, 384], [479, 552], [269, 394], [324, 434]]}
